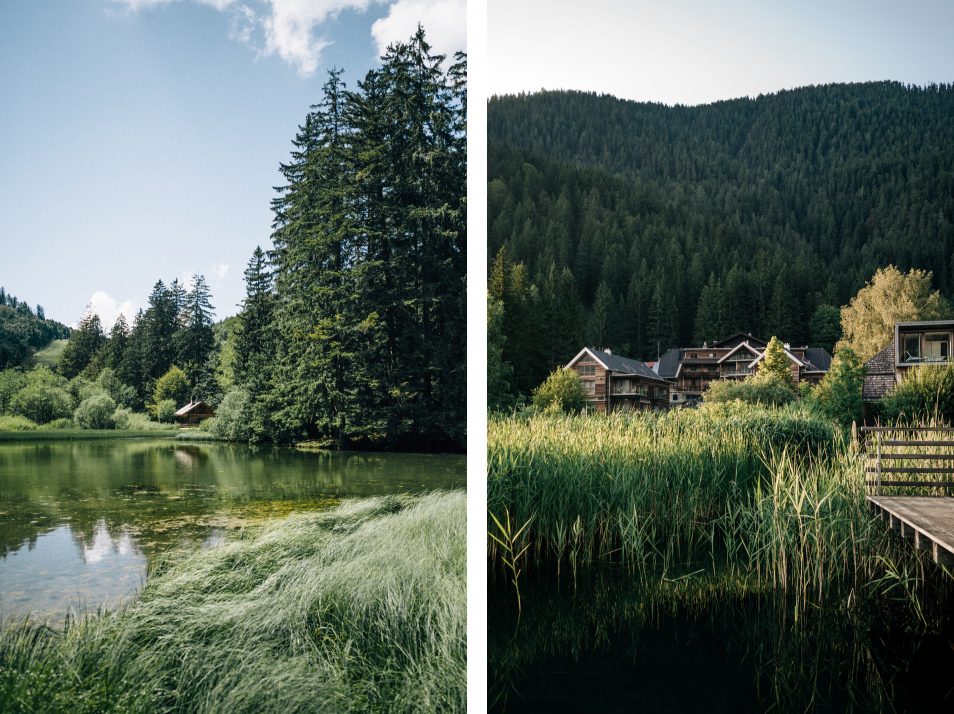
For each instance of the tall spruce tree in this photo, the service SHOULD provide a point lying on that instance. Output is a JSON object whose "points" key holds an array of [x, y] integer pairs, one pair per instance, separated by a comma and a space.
{"points": [[85, 342], [194, 338]]}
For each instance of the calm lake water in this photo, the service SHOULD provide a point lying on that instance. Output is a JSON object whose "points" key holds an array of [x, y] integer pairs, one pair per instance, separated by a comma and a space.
{"points": [[603, 646], [80, 520]]}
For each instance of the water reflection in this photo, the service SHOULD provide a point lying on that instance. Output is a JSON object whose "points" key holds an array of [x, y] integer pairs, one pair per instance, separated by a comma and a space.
{"points": [[61, 569], [80, 522], [607, 646]]}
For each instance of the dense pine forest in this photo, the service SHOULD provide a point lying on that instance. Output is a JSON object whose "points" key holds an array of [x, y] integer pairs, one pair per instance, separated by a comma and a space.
{"points": [[24, 330], [642, 226], [352, 330]]}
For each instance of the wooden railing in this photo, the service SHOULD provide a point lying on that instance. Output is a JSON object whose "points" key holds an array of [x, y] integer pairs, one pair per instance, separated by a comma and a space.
{"points": [[894, 452]]}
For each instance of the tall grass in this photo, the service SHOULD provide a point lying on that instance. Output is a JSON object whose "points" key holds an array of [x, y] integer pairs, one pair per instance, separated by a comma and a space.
{"points": [[362, 608], [760, 499]]}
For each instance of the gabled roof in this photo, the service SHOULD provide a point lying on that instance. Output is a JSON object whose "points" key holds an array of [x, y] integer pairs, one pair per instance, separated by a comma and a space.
{"points": [[668, 365], [792, 357], [817, 359], [739, 337], [615, 363], [735, 349], [879, 375], [191, 406], [883, 362]]}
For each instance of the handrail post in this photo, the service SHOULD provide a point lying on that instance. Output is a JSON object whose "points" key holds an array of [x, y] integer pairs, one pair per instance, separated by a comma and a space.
{"points": [[878, 437]]}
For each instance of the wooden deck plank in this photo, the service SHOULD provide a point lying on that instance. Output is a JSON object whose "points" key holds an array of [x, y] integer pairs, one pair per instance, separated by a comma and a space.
{"points": [[929, 518]]}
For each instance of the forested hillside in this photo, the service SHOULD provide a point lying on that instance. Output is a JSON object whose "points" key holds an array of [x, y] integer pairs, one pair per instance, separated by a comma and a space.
{"points": [[643, 227], [24, 330]]}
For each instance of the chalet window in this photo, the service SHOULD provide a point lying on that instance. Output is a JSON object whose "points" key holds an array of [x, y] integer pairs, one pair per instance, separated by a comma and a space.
{"points": [[586, 369], [936, 346], [589, 386], [911, 348]]}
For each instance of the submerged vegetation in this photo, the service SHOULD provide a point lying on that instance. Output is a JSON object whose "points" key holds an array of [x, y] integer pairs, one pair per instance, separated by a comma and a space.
{"points": [[361, 608], [726, 508]]}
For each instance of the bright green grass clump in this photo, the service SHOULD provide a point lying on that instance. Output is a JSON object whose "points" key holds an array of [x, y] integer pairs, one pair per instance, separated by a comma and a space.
{"points": [[362, 608]]}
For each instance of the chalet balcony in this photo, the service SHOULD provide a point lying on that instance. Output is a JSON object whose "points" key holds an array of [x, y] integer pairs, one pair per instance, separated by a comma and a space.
{"points": [[739, 371], [924, 347]]}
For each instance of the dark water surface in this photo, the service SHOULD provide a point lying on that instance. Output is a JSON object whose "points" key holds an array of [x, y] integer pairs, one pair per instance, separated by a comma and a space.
{"points": [[605, 647], [80, 520]]}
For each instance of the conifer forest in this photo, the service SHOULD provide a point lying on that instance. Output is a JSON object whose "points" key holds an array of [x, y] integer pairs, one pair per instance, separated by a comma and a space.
{"points": [[641, 226]]}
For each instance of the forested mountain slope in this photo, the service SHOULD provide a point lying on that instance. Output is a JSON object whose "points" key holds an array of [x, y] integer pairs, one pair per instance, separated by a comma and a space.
{"points": [[24, 330], [670, 225]]}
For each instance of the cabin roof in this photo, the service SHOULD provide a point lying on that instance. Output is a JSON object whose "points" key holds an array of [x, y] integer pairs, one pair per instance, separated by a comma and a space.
{"points": [[817, 359], [738, 337], [192, 406], [621, 365], [879, 374], [668, 364]]}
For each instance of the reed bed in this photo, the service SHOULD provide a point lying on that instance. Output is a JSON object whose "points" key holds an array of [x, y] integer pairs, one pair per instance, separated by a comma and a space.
{"points": [[362, 608], [755, 499]]}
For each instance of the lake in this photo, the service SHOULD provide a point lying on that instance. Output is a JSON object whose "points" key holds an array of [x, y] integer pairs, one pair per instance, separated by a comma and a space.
{"points": [[80, 521]]}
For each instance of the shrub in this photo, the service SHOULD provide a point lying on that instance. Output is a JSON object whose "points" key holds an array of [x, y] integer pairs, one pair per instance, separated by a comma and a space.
{"points": [[121, 418], [16, 423], [561, 391], [209, 425], [42, 403], [96, 412], [927, 392], [122, 394], [762, 388], [81, 389], [62, 423], [136, 421], [11, 382], [839, 393], [173, 385], [232, 419], [166, 411]]}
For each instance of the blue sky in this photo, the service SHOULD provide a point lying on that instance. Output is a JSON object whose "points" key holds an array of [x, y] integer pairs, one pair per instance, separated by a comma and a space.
{"points": [[140, 139], [699, 51]]}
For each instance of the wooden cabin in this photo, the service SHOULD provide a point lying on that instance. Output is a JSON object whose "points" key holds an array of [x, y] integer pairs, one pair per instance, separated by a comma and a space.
{"points": [[614, 383], [194, 412]]}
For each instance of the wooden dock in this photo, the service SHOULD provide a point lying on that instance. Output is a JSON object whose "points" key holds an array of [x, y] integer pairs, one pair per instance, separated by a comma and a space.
{"points": [[927, 520], [899, 459]]}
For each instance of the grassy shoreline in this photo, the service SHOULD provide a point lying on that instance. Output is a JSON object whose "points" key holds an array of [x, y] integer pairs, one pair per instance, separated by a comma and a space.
{"points": [[360, 608], [73, 434]]}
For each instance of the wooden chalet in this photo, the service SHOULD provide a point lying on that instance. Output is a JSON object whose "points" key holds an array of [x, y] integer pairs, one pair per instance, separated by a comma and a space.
{"points": [[915, 344], [614, 383], [693, 369], [194, 412]]}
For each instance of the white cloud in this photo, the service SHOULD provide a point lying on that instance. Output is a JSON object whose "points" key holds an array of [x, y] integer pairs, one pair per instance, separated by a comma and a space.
{"points": [[219, 271], [109, 308], [135, 5], [292, 29], [444, 21]]}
